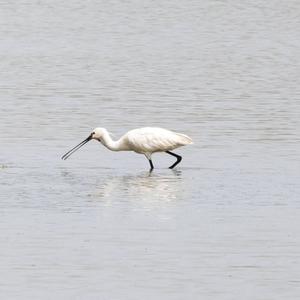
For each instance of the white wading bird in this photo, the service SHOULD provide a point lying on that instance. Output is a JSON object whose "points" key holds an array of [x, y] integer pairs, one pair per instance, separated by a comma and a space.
{"points": [[145, 141]]}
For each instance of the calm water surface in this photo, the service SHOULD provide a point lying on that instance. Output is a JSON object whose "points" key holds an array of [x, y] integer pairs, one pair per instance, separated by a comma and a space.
{"points": [[224, 225]]}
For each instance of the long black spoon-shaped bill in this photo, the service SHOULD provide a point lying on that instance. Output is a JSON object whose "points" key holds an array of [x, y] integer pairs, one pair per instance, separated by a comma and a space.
{"points": [[68, 154]]}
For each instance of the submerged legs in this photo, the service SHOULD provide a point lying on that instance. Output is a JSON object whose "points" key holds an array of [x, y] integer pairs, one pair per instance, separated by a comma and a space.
{"points": [[148, 155], [151, 165], [179, 158]]}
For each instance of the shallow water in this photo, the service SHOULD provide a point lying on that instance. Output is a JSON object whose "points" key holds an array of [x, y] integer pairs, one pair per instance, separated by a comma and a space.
{"points": [[224, 224]]}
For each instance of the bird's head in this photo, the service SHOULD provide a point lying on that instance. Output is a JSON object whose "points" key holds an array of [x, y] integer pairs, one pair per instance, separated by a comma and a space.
{"points": [[97, 133]]}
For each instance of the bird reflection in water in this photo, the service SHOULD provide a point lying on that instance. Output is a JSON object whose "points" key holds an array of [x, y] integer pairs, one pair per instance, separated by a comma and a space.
{"points": [[144, 186]]}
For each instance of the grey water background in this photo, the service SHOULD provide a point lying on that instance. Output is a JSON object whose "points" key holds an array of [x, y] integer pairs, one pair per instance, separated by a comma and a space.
{"points": [[224, 224]]}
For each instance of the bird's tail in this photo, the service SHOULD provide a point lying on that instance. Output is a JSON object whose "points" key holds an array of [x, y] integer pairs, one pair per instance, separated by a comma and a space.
{"points": [[185, 140]]}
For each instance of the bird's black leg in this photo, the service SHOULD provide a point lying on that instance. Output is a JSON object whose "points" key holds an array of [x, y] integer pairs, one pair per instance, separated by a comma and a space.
{"points": [[151, 165], [179, 158]]}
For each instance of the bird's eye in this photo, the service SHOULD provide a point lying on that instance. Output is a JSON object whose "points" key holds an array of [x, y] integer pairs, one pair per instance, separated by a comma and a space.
{"points": [[93, 133]]}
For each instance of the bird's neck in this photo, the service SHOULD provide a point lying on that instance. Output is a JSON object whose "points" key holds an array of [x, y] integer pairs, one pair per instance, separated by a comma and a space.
{"points": [[109, 143]]}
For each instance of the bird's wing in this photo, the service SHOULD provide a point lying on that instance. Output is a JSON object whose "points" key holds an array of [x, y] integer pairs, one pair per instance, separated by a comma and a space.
{"points": [[155, 139]]}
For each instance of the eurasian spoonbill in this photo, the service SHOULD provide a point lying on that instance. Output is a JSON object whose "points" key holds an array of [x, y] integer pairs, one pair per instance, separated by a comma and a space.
{"points": [[146, 140]]}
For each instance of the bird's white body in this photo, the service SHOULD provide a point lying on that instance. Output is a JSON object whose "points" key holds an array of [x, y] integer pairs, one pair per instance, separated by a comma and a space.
{"points": [[146, 140]]}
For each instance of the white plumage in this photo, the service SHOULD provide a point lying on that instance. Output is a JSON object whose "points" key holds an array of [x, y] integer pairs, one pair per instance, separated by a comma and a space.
{"points": [[146, 140], [153, 139]]}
